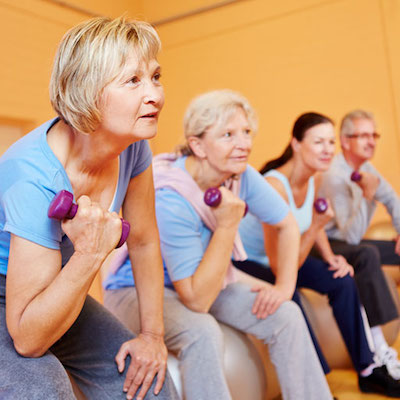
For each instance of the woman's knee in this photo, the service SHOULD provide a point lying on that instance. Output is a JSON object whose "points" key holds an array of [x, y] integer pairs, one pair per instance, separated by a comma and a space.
{"points": [[289, 313], [206, 327], [345, 284], [38, 378], [201, 330]]}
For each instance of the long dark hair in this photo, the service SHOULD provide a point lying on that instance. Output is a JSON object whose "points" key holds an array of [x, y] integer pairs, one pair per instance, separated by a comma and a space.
{"points": [[302, 124]]}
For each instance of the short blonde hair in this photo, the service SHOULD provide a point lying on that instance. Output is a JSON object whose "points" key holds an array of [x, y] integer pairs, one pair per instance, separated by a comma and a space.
{"points": [[214, 109], [347, 126], [89, 57]]}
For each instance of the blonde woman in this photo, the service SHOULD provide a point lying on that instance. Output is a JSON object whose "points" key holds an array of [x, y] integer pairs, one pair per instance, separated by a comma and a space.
{"points": [[197, 244], [106, 91]]}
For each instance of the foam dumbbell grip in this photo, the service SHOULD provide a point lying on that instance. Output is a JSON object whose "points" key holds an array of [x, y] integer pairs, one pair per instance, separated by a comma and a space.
{"points": [[355, 176], [320, 205], [63, 207], [213, 197]]}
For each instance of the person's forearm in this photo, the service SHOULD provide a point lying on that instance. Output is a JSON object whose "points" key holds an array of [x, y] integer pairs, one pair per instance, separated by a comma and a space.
{"points": [[52, 312], [149, 282], [208, 279], [288, 245], [144, 251], [323, 246], [307, 241]]}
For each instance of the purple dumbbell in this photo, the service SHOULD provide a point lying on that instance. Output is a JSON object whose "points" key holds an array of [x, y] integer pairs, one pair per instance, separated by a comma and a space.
{"points": [[213, 197], [62, 206], [320, 205], [355, 176]]}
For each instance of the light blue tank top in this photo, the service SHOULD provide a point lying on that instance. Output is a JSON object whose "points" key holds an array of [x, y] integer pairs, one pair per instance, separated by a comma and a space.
{"points": [[250, 228], [304, 213]]}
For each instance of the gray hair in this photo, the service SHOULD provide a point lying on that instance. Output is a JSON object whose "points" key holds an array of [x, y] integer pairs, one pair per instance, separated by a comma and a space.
{"points": [[347, 126], [89, 57], [213, 109]]}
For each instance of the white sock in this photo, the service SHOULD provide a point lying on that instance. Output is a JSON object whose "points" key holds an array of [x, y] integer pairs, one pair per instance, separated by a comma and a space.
{"points": [[378, 338], [367, 329]]}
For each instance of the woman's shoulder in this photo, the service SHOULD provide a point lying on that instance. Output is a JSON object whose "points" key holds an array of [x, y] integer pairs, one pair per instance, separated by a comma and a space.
{"points": [[30, 160], [138, 149], [279, 181], [173, 203], [278, 185], [175, 213], [255, 182], [136, 158]]}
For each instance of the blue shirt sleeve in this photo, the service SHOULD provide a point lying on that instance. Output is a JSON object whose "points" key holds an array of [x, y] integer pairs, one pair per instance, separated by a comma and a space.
{"points": [[142, 157], [262, 199], [134, 160], [25, 206]]}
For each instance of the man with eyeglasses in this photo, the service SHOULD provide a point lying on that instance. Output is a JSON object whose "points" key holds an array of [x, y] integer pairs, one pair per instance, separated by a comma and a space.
{"points": [[354, 203]]}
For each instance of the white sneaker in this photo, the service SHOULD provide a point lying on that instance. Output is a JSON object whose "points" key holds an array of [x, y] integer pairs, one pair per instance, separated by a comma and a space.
{"points": [[386, 355]]}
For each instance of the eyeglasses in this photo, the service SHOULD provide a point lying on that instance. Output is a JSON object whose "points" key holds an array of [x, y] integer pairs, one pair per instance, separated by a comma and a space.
{"points": [[364, 135]]}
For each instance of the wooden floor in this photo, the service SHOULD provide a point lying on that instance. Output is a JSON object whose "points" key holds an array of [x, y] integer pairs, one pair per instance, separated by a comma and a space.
{"points": [[344, 384]]}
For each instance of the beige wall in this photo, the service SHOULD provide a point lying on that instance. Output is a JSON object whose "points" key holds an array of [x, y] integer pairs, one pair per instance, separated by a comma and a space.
{"points": [[326, 56], [287, 57]]}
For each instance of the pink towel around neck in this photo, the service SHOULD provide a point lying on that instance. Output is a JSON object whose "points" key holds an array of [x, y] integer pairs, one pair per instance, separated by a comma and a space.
{"points": [[166, 175]]}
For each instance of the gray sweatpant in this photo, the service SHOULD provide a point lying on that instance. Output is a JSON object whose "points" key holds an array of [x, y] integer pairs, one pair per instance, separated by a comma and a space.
{"points": [[86, 351], [197, 340]]}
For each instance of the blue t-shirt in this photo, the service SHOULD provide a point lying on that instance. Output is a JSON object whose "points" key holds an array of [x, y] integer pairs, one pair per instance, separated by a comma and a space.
{"points": [[31, 175], [250, 227], [183, 235]]}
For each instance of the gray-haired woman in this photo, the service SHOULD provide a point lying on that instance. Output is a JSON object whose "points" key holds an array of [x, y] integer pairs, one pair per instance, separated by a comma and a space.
{"points": [[197, 244]]}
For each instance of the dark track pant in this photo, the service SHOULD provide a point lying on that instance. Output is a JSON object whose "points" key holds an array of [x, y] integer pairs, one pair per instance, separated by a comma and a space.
{"points": [[86, 351], [343, 298], [366, 259]]}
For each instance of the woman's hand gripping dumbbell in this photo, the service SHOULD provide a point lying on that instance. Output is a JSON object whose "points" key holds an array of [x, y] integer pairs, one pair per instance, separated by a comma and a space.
{"points": [[337, 263], [213, 197], [323, 212], [320, 205], [63, 207]]}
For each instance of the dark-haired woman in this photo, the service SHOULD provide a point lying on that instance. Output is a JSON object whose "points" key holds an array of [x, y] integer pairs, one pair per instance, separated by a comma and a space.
{"points": [[294, 176]]}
